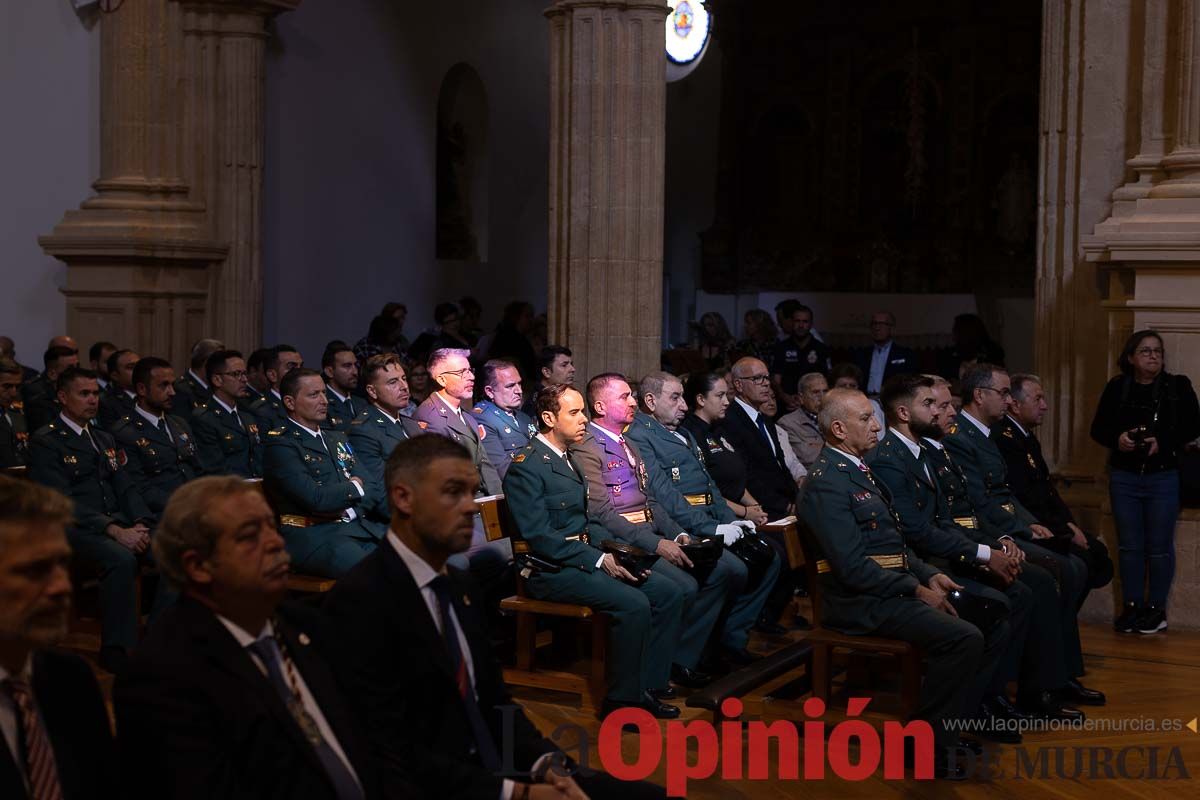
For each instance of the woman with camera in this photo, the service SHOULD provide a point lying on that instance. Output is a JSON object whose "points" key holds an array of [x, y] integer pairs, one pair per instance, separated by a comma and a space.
{"points": [[1145, 418]]}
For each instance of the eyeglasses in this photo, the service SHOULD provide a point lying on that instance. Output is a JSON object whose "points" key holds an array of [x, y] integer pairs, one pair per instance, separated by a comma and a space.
{"points": [[761, 380], [458, 373], [1005, 393], [237, 376], [1149, 351]]}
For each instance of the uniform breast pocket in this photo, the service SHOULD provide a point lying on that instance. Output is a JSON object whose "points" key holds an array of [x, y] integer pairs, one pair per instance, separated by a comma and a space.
{"points": [[561, 505], [868, 511]]}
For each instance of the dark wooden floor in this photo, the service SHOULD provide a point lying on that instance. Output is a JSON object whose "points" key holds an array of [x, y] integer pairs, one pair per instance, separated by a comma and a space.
{"points": [[1156, 677]]}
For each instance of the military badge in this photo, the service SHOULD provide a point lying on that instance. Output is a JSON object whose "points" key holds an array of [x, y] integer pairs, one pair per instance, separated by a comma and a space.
{"points": [[518, 458], [1032, 463], [812, 356], [616, 489], [675, 476], [482, 432], [506, 429], [862, 497], [70, 460], [143, 442], [728, 446], [423, 424], [22, 439], [17, 405], [345, 454], [532, 430], [613, 465], [113, 460]]}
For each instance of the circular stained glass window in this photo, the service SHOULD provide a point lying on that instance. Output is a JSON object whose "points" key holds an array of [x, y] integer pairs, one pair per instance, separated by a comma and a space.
{"points": [[687, 30]]}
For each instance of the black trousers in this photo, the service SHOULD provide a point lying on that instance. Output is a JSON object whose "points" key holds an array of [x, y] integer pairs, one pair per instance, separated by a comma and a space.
{"points": [[1070, 574]]}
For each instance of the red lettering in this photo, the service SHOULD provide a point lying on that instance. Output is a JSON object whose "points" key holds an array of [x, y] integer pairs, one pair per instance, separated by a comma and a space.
{"points": [[731, 739], [649, 744], [678, 768], [788, 750], [894, 736], [814, 740]]}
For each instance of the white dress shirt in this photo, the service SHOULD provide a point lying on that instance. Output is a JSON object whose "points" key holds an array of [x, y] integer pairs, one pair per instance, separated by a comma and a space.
{"points": [[984, 429], [9, 725], [198, 379], [789, 455], [244, 640], [78, 430]]}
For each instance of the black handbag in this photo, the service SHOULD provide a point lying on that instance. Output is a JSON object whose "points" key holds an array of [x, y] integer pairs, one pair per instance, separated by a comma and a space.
{"points": [[633, 558], [705, 552]]}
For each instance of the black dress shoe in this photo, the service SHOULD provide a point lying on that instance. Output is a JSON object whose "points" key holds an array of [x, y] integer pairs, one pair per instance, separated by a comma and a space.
{"points": [[740, 656], [647, 702], [995, 727], [1076, 692], [689, 678], [999, 706], [1043, 706], [667, 693]]}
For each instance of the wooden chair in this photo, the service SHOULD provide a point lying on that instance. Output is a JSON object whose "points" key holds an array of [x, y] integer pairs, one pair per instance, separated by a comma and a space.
{"points": [[307, 586], [591, 687], [826, 641], [790, 531]]}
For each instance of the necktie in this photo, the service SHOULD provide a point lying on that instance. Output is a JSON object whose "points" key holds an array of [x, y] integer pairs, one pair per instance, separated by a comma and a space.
{"points": [[339, 774], [40, 769], [762, 428], [238, 420], [462, 677], [162, 426], [628, 453], [87, 434]]}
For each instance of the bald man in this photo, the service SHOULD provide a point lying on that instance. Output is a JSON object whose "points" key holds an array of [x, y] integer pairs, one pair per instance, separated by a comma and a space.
{"points": [[873, 585]]}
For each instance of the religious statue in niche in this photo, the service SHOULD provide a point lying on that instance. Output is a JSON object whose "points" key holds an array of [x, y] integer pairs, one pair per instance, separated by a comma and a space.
{"points": [[455, 238], [1014, 205]]}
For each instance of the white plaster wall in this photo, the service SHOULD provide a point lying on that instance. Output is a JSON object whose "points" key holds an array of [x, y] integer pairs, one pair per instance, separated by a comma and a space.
{"points": [[352, 90], [49, 155]]}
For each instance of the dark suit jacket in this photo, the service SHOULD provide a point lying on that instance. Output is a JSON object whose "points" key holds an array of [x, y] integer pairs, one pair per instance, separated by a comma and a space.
{"points": [[197, 719], [901, 360], [1029, 476], [768, 477], [14, 439], [393, 662], [76, 722]]}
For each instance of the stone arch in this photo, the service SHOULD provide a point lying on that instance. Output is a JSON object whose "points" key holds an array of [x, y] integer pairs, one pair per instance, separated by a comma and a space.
{"points": [[462, 167]]}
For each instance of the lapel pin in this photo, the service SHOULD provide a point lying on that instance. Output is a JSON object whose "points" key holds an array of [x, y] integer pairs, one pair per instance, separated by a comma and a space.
{"points": [[466, 600], [303, 639]]}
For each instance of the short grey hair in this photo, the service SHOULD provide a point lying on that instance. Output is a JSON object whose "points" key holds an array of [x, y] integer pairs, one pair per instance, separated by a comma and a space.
{"points": [[938, 380], [809, 377], [655, 382], [835, 405], [1019, 382], [444, 354], [202, 349], [188, 523]]}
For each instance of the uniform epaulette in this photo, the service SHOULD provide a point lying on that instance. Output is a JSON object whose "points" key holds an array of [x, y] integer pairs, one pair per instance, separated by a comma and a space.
{"points": [[953, 427], [358, 421], [477, 410], [423, 424], [276, 432], [518, 458], [50, 425]]}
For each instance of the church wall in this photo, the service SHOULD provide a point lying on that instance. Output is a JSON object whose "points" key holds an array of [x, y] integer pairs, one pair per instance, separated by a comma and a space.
{"points": [[49, 93], [349, 182]]}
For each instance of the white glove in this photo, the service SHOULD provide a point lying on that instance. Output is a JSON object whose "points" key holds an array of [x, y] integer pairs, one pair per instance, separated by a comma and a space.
{"points": [[730, 533], [744, 523]]}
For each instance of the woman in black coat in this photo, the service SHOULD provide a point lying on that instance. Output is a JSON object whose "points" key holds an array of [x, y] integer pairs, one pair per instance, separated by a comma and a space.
{"points": [[1145, 418]]}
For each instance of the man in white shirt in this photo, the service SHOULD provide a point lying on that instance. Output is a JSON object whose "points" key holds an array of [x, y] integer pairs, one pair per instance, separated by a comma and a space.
{"points": [[230, 695]]}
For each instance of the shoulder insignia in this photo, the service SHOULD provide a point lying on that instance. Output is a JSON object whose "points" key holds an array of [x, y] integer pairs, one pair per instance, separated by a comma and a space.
{"points": [[953, 427], [17, 405], [274, 433], [423, 424], [518, 458], [477, 410], [1008, 432]]}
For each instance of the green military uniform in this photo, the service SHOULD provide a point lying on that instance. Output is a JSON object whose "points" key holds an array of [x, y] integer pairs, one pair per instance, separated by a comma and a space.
{"points": [[91, 471], [869, 580], [40, 402], [190, 396], [320, 509], [548, 497], [1059, 645], [229, 441], [342, 412], [269, 411], [160, 458], [374, 435], [14, 437], [680, 483], [115, 403], [930, 530]]}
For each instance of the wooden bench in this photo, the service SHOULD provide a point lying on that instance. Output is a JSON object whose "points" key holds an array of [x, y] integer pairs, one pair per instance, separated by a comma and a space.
{"points": [[742, 681], [825, 642], [789, 530], [592, 687]]}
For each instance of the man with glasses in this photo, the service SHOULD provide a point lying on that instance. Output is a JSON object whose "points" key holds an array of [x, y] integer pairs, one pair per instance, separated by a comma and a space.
{"points": [[227, 435], [986, 392], [884, 358], [447, 411]]}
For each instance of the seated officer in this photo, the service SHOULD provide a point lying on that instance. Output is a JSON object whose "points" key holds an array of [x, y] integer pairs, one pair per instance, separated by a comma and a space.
{"points": [[269, 409], [379, 428], [548, 497], [256, 376], [339, 367], [228, 436], [192, 390], [111, 520], [620, 501], [954, 483], [1029, 479], [118, 398], [508, 428], [556, 364], [98, 355], [316, 483], [679, 482], [873, 585], [40, 395], [445, 411], [901, 464], [14, 434], [159, 446]]}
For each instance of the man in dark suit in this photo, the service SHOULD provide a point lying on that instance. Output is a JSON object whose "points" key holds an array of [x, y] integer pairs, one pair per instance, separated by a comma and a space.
{"points": [[55, 740], [110, 532], [884, 358], [230, 695], [192, 390], [380, 427], [1029, 479], [415, 654], [14, 434]]}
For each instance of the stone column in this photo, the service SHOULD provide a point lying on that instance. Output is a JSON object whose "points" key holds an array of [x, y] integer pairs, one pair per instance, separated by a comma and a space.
{"points": [[224, 46], [607, 131], [137, 252]]}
